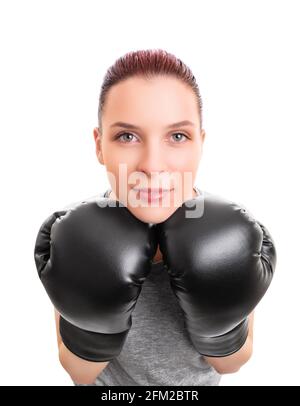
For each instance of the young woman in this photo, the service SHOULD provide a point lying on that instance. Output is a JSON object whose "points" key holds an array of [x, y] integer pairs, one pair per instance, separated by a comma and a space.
{"points": [[150, 140]]}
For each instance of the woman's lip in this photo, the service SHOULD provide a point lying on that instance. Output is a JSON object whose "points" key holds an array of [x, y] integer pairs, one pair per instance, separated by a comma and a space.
{"points": [[149, 190], [150, 195]]}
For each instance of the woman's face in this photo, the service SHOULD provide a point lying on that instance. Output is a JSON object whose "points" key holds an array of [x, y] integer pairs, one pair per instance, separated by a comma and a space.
{"points": [[150, 153]]}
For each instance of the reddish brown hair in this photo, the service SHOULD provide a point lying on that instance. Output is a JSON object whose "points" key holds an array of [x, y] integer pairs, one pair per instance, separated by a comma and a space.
{"points": [[147, 63]]}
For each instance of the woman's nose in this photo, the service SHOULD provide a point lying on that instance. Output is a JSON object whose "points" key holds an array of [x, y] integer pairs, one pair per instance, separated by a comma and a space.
{"points": [[152, 160]]}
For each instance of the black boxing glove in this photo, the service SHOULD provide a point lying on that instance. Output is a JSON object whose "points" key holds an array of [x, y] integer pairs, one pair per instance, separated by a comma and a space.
{"points": [[220, 264], [92, 260]]}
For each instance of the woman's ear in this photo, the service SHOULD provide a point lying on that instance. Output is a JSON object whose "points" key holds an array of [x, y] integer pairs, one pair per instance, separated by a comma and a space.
{"points": [[203, 134], [97, 138], [202, 137]]}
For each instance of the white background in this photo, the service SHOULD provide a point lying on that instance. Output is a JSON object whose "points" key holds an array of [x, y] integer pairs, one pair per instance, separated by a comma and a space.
{"points": [[54, 54]]}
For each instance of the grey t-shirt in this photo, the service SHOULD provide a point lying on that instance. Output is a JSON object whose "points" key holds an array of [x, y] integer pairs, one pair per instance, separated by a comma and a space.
{"points": [[157, 350]]}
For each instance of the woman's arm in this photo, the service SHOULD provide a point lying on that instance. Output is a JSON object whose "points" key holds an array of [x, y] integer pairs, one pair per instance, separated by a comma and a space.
{"points": [[232, 363], [80, 370]]}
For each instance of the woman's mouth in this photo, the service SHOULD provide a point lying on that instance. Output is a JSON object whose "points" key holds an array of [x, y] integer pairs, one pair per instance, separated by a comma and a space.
{"points": [[152, 195]]}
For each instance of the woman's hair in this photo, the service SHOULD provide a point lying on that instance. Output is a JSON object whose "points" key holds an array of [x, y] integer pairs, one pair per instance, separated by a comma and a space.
{"points": [[147, 64]]}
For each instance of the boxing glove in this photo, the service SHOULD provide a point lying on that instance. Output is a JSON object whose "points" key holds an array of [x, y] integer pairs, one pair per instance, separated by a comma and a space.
{"points": [[220, 263], [92, 260]]}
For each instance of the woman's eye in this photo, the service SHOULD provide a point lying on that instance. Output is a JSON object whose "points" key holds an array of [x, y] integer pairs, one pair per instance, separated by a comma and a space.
{"points": [[127, 139], [179, 139]]}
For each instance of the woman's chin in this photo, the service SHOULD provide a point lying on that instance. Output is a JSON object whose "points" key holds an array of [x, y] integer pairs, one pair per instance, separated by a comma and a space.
{"points": [[152, 214]]}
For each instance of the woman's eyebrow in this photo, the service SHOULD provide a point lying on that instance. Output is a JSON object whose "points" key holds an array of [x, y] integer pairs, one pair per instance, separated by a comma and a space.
{"points": [[134, 127]]}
